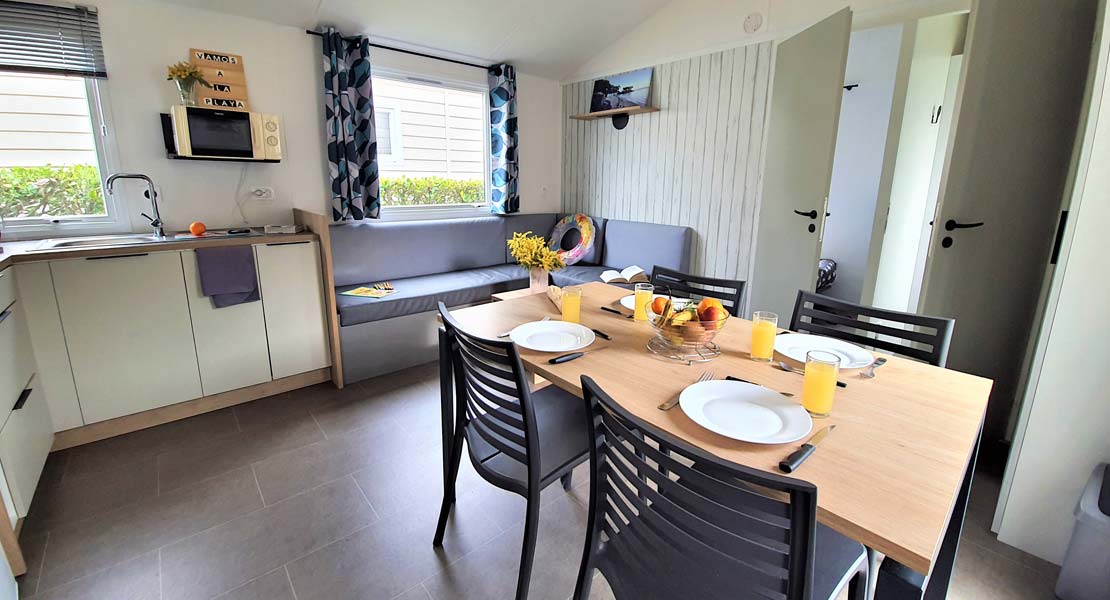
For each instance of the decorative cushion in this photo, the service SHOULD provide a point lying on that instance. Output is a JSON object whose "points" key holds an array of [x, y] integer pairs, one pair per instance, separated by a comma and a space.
{"points": [[584, 228]]}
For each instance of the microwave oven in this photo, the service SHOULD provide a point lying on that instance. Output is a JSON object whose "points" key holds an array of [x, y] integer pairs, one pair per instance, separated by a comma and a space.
{"points": [[227, 134]]}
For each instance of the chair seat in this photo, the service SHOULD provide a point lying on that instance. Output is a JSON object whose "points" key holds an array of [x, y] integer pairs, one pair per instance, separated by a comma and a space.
{"points": [[564, 440], [836, 559]]}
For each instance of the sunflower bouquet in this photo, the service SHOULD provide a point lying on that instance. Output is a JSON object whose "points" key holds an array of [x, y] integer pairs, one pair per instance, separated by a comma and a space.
{"points": [[531, 252], [186, 75]]}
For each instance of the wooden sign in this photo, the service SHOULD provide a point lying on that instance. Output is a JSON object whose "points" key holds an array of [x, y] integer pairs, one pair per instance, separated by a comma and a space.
{"points": [[225, 72]]}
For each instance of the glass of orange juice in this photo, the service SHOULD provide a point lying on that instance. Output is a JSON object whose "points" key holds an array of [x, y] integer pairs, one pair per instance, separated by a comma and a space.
{"points": [[822, 369], [765, 326], [644, 294], [572, 304]]}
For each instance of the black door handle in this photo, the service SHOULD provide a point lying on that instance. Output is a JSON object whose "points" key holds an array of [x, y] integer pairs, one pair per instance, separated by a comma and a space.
{"points": [[951, 225], [811, 214]]}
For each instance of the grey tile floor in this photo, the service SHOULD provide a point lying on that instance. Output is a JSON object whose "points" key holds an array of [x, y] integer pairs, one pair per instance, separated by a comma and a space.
{"points": [[322, 493]]}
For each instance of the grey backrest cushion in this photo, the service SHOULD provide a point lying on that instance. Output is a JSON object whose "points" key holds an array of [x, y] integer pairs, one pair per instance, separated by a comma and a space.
{"points": [[540, 224], [646, 245], [378, 251]]}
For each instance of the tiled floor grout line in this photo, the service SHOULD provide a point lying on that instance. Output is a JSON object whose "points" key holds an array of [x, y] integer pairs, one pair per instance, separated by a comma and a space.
{"points": [[1008, 559], [427, 591], [235, 416], [42, 563], [161, 593], [312, 414], [289, 578], [363, 492], [258, 486]]}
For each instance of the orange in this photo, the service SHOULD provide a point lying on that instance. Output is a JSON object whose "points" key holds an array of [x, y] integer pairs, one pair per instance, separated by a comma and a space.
{"points": [[658, 305], [197, 228]]}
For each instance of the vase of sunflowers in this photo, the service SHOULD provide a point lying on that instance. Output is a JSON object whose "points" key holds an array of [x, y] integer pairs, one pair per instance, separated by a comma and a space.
{"points": [[186, 76], [532, 253]]}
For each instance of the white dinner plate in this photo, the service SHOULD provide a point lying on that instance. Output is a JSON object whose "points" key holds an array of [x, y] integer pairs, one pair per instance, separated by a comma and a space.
{"points": [[795, 346], [552, 336], [629, 302], [745, 412]]}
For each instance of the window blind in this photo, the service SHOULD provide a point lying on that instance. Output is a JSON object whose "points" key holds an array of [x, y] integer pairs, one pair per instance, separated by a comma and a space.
{"points": [[40, 38]]}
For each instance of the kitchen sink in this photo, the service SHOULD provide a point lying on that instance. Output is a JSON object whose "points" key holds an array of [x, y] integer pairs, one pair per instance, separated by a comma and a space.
{"points": [[108, 240]]}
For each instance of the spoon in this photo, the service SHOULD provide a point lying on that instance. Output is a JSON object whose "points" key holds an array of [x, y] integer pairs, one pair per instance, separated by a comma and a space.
{"points": [[870, 372]]}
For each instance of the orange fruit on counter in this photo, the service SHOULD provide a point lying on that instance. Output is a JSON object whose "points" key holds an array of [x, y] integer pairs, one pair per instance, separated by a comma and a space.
{"points": [[658, 305], [197, 228], [707, 302]]}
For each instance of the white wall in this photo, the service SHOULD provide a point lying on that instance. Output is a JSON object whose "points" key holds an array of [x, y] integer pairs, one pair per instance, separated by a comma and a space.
{"points": [[860, 146], [935, 41], [687, 28], [283, 77], [1061, 432]]}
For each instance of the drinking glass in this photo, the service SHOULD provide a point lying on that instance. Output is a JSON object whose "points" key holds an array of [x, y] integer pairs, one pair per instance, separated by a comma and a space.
{"points": [[572, 304], [822, 369], [765, 326], [644, 293]]}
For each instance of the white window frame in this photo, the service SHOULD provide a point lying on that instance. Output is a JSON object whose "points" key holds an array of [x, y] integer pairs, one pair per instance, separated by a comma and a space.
{"points": [[396, 146], [107, 156], [445, 211]]}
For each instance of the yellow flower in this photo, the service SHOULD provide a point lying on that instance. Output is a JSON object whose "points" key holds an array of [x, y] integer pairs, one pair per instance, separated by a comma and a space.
{"points": [[184, 71], [531, 252]]}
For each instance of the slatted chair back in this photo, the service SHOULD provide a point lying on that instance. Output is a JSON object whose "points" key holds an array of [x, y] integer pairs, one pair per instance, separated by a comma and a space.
{"points": [[492, 403], [729, 291], [925, 338], [658, 528]]}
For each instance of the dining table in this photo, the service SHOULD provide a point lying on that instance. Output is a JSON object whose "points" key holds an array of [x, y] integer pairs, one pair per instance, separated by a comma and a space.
{"points": [[894, 475]]}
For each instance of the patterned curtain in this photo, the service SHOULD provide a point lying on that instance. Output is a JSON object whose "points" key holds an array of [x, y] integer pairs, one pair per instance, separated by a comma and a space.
{"points": [[349, 121], [503, 139]]}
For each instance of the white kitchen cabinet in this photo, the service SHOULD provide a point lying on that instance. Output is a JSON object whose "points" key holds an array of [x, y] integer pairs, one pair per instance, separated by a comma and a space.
{"points": [[40, 309], [127, 327], [25, 441], [17, 361], [293, 300], [230, 341]]}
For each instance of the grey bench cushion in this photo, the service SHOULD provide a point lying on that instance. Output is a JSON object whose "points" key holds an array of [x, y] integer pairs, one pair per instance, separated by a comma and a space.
{"points": [[577, 274], [420, 294], [646, 245]]}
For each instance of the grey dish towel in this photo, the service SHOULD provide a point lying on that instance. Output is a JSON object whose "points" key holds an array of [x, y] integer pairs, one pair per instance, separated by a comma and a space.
{"points": [[227, 275]]}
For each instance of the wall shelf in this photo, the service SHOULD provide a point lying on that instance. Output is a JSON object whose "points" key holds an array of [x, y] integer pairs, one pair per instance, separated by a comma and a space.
{"points": [[229, 159], [602, 114]]}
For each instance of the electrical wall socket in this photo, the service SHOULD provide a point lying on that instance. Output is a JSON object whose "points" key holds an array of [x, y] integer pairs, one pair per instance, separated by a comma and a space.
{"points": [[262, 193]]}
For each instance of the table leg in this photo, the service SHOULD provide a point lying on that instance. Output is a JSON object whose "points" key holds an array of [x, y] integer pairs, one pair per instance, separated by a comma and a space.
{"points": [[446, 403], [895, 581]]}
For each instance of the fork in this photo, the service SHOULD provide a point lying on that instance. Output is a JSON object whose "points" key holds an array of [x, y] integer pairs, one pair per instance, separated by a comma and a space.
{"points": [[870, 372], [509, 332], [669, 404], [383, 285]]}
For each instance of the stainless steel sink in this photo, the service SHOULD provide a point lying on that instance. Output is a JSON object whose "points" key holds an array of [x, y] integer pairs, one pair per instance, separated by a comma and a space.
{"points": [[107, 240]]}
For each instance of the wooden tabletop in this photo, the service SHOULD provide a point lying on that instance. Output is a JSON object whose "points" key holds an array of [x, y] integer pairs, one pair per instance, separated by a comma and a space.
{"points": [[888, 476]]}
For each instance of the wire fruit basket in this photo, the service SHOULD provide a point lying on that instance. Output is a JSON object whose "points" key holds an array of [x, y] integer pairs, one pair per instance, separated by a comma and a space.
{"points": [[684, 336]]}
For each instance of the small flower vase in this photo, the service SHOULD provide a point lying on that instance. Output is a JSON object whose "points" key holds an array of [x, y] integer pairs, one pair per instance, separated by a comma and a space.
{"points": [[537, 280], [185, 90]]}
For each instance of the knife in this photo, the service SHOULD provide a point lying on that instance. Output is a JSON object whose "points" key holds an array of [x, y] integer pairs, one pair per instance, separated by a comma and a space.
{"points": [[616, 312], [796, 458], [601, 334], [558, 360]]}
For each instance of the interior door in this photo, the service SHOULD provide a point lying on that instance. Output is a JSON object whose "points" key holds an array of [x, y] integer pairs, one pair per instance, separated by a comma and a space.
{"points": [[1002, 188], [805, 112]]}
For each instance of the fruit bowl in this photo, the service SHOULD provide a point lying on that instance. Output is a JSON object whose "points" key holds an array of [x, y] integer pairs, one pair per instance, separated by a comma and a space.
{"points": [[688, 334]]}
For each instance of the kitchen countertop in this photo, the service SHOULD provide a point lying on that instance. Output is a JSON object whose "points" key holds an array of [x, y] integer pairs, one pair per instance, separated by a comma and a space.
{"points": [[33, 250]]}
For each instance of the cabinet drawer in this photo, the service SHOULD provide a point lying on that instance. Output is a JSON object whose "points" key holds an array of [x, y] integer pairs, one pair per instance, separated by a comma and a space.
{"points": [[17, 359], [24, 443], [7, 287]]}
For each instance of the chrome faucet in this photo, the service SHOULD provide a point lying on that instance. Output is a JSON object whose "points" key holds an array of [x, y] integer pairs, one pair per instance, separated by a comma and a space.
{"points": [[156, 221]]}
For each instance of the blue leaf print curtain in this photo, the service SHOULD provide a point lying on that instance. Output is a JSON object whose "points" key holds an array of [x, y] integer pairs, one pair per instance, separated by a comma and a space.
{"points": [[503, 139], [349, 121]]}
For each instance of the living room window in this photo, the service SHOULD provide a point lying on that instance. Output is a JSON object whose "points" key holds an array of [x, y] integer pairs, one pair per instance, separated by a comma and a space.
{"points": [[55, 148], [433, 148]]}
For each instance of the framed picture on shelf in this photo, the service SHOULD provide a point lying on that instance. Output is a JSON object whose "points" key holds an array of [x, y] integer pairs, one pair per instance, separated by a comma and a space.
{"points": [[623, 90]]}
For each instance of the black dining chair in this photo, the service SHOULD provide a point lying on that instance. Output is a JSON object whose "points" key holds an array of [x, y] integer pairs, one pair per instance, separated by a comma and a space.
{"points": [[728, 291], [517, 439], [924, 338], [658, 528]]}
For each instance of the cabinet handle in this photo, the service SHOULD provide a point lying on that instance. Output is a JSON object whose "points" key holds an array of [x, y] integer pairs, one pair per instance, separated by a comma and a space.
{"points": [[7, 313], [116, 256], [23, 396], [288, 243]]}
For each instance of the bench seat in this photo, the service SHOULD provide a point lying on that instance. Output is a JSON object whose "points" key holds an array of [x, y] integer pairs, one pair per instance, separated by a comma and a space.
{"points": [[420, 294]]}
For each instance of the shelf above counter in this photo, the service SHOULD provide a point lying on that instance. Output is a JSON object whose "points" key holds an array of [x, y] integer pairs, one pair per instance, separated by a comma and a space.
{"points": [[602, 114]]}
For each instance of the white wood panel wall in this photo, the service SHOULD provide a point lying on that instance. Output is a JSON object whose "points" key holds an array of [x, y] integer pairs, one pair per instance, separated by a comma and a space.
{"points": [[696, 163]]}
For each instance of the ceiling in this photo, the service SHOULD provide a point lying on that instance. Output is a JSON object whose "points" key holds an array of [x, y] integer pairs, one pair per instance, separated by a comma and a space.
{"points": [[540, 37]]}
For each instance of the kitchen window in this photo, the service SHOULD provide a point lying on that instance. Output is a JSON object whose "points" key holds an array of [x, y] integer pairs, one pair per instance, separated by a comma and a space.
{"points": [[433, 146], [55, 143]]}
